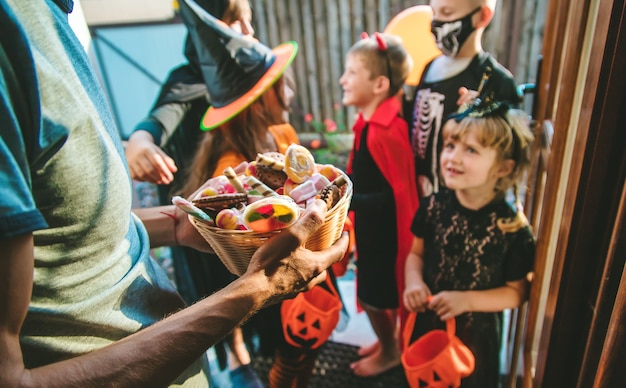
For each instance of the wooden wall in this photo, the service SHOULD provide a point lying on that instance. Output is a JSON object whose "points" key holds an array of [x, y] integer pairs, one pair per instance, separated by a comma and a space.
{"points": [[325, 30]]}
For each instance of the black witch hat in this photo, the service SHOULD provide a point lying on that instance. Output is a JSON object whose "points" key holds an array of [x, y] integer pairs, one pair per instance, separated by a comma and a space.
{"points": [[236, 69]]}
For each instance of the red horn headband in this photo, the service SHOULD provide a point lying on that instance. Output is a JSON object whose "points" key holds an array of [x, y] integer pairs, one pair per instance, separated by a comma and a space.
{"points": [[382, 45]]}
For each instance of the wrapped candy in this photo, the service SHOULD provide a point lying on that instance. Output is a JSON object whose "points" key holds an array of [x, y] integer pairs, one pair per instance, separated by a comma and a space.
{"points": [[271, 213], [228, 219]]}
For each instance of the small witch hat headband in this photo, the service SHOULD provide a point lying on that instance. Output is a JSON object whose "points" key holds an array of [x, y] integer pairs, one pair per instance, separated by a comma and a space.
{"points": [[236, 69], [484, 105]]}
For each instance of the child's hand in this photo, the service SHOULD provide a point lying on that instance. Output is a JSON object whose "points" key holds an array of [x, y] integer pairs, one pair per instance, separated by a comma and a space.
{"points": [[466, 96], [449, 304], [416, 297]]}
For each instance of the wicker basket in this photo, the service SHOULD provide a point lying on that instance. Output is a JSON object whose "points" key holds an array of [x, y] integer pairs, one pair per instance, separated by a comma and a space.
{"points": [[236, 247]]}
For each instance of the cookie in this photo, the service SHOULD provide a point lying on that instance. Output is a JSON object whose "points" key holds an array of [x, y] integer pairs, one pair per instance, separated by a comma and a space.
{"points": [[269, 169], [331, 194], [273, 160], [214, 203]]}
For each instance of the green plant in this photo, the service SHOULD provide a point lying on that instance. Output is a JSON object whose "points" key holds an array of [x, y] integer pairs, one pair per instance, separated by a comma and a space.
{"points": [[335, 141]]}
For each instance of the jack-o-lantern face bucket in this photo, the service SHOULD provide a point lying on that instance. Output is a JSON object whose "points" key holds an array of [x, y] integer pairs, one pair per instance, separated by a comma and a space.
{"points": [[436, 359], [309, 319]]}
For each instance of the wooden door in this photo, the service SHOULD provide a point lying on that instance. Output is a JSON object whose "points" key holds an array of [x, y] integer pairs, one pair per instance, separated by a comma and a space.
{"points": [[575, 334]]}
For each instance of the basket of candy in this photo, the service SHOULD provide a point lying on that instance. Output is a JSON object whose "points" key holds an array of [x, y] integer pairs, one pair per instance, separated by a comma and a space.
{"points": [[238, 211]]}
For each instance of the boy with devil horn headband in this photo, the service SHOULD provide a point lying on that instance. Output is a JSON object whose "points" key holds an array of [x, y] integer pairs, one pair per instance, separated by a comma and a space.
{"points": [[385, 196]]}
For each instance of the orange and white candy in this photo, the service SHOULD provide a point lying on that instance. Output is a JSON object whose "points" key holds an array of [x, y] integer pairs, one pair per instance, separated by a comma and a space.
{"points": [[299, 163]]}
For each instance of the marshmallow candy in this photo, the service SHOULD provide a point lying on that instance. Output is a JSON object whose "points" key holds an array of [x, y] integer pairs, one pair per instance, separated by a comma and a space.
{"points": [[303, 192]]}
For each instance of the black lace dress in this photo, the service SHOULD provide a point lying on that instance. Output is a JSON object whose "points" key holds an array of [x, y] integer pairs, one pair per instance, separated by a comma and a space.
{"points": [[465, 250]]}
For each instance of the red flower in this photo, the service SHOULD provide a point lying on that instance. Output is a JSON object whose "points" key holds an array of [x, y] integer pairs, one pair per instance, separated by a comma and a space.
{"points": [[315, 144], [331, 126], [308, 117]]}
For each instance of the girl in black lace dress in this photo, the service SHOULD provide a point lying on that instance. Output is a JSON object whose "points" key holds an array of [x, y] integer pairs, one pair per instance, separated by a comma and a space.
{"points": [[472, 251]]}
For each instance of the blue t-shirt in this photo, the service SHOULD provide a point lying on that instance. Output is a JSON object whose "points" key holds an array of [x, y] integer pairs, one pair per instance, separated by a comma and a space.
{"points": [[64, 179]]}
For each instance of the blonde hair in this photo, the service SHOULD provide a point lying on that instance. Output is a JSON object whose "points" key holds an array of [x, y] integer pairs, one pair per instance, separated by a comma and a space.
{"points": [[393, 63], [511, 137]]}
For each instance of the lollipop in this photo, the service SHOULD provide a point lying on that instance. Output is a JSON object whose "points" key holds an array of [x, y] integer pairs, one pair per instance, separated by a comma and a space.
{"points": [[299, 163], [189, 208]]}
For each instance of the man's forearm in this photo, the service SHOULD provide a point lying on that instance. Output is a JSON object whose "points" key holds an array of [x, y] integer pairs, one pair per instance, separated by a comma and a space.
{"points": [[160, 222], [161, 352]]}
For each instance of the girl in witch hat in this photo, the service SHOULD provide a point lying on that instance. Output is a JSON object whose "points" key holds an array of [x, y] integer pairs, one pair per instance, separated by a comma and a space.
{"points": [[250, 94], [160, 150]]}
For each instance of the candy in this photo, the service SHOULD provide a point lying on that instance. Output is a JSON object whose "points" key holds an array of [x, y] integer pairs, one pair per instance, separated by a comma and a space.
{"points": [[319, 180], [251, 169], [241, 168], [299, 163], [329, 172], [331, 195], [209, 192], [227, 219], [272, 213], [270, 162], [340, 181], [213, 204], [304, 191], [288, 186], [234, 180], [189, 208], [260, 187]]}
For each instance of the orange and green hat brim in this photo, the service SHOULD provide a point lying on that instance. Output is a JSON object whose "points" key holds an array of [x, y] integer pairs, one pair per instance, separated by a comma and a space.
{"points": [[214, 117]]}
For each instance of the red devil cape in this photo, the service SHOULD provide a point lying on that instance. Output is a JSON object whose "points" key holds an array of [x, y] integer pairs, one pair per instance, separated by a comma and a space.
{"points": [[388, 143]]}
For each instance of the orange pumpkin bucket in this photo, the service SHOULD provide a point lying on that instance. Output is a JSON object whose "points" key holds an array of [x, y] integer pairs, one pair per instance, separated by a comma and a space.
{"points": [[309, 319], [436, 359]]}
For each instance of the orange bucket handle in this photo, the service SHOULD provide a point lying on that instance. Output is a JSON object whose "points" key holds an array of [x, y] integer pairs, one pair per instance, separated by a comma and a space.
{"points": [[410, 324]]}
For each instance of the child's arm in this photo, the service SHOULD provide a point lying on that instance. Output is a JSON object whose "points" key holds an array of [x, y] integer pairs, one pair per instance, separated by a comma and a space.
{"points": [[449, 304], [416, 291]]}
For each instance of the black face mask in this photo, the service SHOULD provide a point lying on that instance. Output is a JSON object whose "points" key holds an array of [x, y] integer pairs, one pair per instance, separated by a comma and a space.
{"points": [[450, 36]]}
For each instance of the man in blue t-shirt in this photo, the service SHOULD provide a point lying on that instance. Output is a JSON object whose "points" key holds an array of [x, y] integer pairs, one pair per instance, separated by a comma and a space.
{"points": [[81, 301]]}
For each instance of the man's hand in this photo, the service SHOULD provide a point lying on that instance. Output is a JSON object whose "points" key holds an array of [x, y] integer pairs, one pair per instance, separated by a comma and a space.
{"points": [[147, 162], [285, 266]]}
